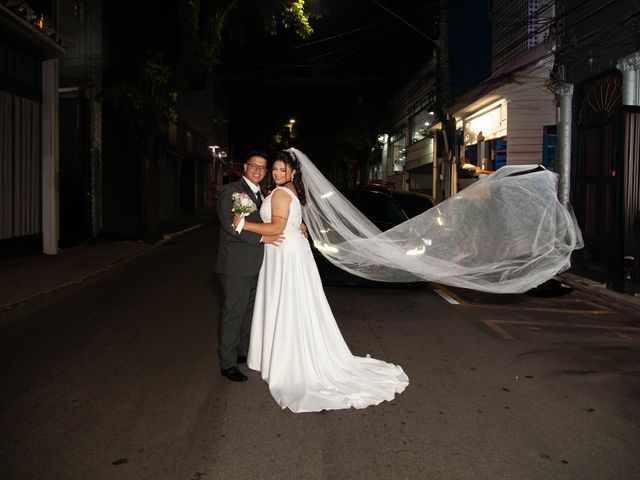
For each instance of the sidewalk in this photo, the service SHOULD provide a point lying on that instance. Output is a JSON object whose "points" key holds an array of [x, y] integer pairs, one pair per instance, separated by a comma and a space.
{"points": [[26, 278]]}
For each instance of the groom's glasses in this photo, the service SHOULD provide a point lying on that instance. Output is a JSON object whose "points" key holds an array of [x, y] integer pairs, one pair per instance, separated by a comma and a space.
{"points": [[256, 167]]}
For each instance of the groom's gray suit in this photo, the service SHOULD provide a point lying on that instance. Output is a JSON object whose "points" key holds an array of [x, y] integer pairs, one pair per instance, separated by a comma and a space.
{"points": [[239, 261]]}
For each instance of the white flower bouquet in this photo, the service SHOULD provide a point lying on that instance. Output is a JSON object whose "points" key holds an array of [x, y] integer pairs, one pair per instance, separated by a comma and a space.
{"points": [[242, 204]]}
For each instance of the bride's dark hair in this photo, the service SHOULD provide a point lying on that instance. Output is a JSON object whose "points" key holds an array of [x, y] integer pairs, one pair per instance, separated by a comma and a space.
{"points": [[290, 160]]}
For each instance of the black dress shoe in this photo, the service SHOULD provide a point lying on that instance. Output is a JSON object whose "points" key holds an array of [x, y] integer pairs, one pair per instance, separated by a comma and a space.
{"points": [[233, 374], [242, 359]]}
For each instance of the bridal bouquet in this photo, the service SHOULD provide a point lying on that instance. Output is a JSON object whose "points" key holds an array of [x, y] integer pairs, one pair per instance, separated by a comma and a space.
{"points": [[242, 204]]}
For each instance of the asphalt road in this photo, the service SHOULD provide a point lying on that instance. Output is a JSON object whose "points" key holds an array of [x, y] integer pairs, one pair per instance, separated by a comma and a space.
{"points": [[119, 379]]}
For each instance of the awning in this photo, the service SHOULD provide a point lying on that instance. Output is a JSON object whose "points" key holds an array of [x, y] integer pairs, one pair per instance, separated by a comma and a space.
{"points": [[487, 91]]}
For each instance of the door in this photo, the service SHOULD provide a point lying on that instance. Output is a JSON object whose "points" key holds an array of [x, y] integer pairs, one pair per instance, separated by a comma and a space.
{"points": [[75, 193], [595, 173]]}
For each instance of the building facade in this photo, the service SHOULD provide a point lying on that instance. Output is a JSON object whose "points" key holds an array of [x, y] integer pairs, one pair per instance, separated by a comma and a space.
{"points": [[564, 91], [29, 155], [598, 74], [80, 89]]}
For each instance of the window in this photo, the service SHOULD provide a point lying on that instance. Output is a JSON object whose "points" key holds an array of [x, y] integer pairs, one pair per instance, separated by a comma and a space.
{"points": [[398, 145], [419, 125]]}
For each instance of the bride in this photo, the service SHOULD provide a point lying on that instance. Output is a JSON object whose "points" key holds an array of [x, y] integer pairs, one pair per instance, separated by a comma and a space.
{"points": [[295, 341], [506, 233]]}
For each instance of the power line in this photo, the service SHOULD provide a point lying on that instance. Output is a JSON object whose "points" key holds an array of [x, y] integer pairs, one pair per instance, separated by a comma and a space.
{"points": [[353, 48], [339, 35], [540, 30], [420, 32], [311, 65]]}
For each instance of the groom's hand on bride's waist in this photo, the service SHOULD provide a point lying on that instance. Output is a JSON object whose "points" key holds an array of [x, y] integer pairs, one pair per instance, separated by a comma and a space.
{"points": [[272, 239]]}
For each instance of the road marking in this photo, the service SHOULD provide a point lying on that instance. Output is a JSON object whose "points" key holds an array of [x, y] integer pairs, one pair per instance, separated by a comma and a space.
{"points": [[606, 309], [602, 311], [446, 297], [456, 299], [501, 332], [495, 326]]}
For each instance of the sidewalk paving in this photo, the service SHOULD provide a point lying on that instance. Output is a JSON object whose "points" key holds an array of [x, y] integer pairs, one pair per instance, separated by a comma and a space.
{"points": [[27, 278]]}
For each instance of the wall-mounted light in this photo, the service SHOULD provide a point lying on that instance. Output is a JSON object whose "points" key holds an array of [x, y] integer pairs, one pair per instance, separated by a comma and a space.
{"points": [[217, 151]]}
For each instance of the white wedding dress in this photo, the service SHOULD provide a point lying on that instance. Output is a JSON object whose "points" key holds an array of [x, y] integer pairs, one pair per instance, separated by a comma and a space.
{"points": [[295, 341]]}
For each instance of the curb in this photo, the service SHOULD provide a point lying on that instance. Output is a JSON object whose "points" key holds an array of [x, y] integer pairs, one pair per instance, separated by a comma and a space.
{"points": [[586, 285], [170, 236]]}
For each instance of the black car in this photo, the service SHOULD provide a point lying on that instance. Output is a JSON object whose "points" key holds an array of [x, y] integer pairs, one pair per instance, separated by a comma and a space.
{"points": [[385, 213], [412, 203]]}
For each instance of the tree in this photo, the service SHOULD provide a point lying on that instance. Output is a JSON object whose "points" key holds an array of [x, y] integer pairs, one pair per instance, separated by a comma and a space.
{"points": [[147, 101], [357, 138]]}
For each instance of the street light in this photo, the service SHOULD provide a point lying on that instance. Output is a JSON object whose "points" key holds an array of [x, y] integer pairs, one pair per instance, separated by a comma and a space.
{"points": [[290, 133]]}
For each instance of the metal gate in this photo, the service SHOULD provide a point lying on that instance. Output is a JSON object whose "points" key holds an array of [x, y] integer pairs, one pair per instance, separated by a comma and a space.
{"points": [[594, 176], [20, 167], [606, 177], [628, 251]]}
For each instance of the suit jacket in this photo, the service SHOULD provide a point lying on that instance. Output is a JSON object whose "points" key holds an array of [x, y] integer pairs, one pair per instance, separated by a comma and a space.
{"points": [[239, 253]]}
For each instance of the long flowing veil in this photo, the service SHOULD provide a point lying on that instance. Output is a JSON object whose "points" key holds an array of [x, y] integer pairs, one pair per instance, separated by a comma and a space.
{"points": [[506, 233]]}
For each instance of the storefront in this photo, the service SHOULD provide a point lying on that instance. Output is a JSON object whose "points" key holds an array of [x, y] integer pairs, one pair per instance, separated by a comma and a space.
{"points": [[481, 139], [484, 136], [508, 120]]}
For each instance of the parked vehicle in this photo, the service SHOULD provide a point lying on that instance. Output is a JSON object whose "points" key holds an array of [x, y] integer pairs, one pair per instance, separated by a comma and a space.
{"points": [[385, 213], [412, 203], [378, 207], [377, 185]]}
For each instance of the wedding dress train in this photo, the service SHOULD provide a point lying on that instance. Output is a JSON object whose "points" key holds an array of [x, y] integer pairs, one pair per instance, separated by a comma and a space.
{"points": [[295, 341]]}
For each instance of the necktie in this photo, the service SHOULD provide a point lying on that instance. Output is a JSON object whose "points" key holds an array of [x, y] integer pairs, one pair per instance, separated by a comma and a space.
{"points": [[259, 199]]}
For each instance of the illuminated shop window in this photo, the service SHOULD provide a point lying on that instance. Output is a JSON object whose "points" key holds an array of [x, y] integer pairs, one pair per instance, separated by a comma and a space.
{"points": [[419, 125], [398, 152]]}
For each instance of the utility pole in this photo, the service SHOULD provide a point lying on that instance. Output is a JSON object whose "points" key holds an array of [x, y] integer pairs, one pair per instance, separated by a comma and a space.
{"points": [[443, 98], [443, 90]]}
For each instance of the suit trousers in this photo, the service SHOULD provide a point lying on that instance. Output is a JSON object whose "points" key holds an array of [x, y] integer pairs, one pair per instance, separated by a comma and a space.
{"points": [[237, 311]]}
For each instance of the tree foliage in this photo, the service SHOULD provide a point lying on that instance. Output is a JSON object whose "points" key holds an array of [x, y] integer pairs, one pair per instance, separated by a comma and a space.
{"points": [[169, 62], [148, 104], [202, 32], [357, 139], [295, 17]]}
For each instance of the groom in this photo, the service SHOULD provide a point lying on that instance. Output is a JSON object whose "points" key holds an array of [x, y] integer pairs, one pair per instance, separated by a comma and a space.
{"points": [[238, 264]]}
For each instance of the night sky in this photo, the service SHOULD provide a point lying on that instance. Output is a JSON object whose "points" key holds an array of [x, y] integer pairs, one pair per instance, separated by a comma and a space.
{"points": [[357, 57], [335, 83]]}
